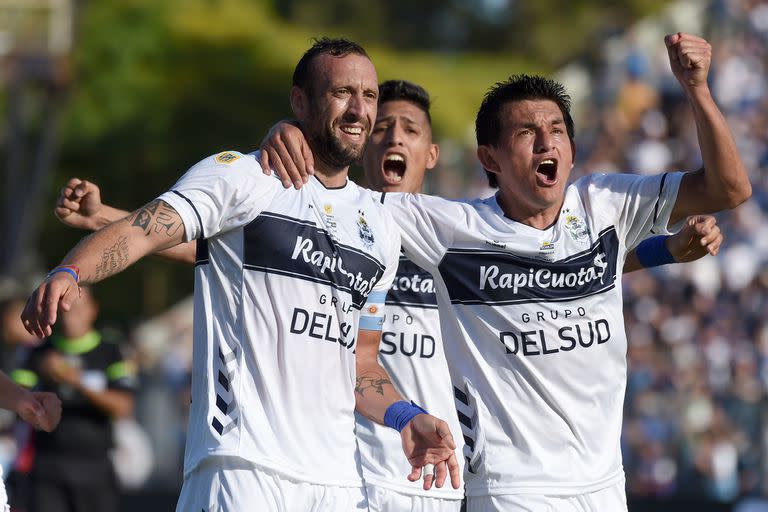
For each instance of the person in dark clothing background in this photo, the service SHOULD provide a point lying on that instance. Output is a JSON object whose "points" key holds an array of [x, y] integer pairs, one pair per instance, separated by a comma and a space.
{"points": [[69, 470]]}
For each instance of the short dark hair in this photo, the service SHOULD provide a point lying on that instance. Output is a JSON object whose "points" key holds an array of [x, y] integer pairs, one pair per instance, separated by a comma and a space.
{"points": [[338, 47], [517, 88], [394, 90]]}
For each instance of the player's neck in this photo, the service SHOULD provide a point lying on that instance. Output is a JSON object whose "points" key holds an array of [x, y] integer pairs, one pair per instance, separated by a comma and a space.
{"points": [[330, 177], [537, 218]]}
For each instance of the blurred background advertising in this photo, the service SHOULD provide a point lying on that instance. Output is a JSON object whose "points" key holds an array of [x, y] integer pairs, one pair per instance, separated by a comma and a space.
{"points": [[130, 93]]}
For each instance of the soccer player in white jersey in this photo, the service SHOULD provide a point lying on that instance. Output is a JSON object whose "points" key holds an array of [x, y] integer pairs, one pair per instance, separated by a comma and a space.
{"points": [[283, 355], [397, 157], [528, 284], [532, 275]]}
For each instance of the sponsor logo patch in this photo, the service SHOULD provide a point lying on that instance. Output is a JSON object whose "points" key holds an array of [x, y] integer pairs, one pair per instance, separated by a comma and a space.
{"points": [[547, 250], [227, 157], [496, 243]]}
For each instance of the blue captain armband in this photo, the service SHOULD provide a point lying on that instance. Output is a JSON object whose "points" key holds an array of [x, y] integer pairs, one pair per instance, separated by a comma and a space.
{"points": [[400, 413], [653, 252], [372, 314]]}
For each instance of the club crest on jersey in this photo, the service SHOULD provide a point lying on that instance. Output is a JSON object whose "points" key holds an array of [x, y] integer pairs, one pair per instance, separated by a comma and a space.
{"points": [[576, 227], [328, 209], [227, 157], [366, 235]]}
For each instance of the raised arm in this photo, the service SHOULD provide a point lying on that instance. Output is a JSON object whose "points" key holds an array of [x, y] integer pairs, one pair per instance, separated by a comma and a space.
{"points": [[699, 236], [723, 183], [151, 228], [79, 206], [426, 439]]}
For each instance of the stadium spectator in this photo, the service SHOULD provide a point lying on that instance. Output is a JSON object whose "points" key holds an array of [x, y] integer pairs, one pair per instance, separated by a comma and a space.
{"points": [[69, 469]]}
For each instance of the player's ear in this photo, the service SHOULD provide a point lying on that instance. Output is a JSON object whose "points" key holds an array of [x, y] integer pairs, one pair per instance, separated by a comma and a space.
{"points": [[433, 155], [486, 156], [573, 152], [299, 103]]}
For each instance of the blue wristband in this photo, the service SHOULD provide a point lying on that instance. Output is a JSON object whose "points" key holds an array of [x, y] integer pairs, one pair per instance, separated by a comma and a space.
{"points": [[400, 413], [653, 252], [68, 270]]}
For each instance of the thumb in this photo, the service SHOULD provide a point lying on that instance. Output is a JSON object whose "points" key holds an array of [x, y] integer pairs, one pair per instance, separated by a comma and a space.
{"points": [[445, 433], [671, 39], [38, 408], [61, 212], [69, 297]]}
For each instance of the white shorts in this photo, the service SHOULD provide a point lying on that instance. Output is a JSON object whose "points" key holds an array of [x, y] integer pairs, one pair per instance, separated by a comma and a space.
{"points": [[613, 499], [230, 484], [3, 495], [387, 500]]}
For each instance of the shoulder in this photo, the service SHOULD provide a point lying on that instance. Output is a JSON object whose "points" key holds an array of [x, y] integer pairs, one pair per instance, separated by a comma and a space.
{"points": [[233, 164]]}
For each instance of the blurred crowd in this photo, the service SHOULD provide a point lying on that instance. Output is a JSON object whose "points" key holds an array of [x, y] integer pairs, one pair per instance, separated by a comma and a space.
{"points": [[695, 415], [697, 389], [696, 422]]}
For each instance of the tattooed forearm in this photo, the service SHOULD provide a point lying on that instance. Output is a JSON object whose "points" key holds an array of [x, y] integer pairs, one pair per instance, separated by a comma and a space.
{"points": [[113, 260], [157, 217], [371, 381]]}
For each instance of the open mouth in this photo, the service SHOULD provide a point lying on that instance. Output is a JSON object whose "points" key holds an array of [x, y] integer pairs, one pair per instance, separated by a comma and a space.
{"points": [[394, 168], [546, 172]]}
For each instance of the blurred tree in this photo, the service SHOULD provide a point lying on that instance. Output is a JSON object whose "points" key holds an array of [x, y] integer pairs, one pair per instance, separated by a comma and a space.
{"points": [[563, 29]]}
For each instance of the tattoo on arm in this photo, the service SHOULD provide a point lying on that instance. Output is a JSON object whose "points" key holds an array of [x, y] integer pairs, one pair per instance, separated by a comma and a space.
{"points": [[373, 382], [113, 260], [158, 217]]}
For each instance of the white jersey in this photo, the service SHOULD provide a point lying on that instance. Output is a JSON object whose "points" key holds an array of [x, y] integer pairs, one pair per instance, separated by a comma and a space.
{"points": [[280, 279], [412, 352], [536, 343]]}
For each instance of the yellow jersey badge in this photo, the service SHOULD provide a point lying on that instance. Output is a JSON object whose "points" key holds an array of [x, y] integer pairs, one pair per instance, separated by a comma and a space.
{"points": [[227, 157]]}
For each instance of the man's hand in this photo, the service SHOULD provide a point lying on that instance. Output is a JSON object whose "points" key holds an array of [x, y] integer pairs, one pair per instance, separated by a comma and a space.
{"points": [[699, 236], [55, 293], [287, 152], [690, 58], [41, 410], [79, 204], [428, 440]]}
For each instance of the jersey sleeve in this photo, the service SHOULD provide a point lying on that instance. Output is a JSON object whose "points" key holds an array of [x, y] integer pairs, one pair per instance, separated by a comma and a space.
{"points": [[637, 206], [27, 373], [121, 372], [220, 193], [372, 314], [427, 225]]}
